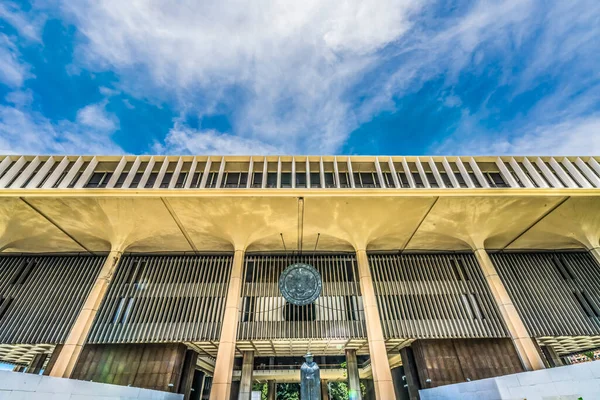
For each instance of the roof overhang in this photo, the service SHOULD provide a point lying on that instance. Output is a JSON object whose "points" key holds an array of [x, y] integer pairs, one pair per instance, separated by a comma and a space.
{"points": [[98, 220]]}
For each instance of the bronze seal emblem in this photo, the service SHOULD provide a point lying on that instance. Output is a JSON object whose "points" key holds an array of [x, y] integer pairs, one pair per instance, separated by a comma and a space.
{"points": [[300, 284]]}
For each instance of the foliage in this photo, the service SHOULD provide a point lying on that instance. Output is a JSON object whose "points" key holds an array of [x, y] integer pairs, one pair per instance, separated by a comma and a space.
{"points": [[338, 391], [589, 354], [288, 391], [263, 388]]}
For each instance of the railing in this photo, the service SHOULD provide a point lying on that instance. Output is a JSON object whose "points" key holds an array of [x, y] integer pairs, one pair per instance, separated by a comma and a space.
{"points": [[287, 172]]}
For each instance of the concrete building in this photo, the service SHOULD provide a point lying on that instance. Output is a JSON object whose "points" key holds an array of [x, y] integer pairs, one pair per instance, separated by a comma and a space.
{"points": [[161, 272]]}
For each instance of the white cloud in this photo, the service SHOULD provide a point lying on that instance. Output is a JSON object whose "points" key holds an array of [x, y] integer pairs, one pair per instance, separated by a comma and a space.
{"points": [[29, 26], [565, 42], [95, 116], [13, 71], [282, 67], [577, 137], [182, 139], [298, 77], [23, 131], [20, 98]]}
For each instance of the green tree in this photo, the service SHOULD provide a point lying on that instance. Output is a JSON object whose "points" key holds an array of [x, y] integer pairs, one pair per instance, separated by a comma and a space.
{"points": [[263, 388], [338, 391], [288, 391], [589, 354]]}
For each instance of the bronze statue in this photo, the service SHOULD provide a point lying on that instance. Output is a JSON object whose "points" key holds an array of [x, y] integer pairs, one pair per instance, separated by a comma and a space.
{"points": [[310, 379]]}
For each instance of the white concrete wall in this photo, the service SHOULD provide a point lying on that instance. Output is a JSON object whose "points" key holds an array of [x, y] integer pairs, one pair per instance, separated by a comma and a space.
{"points": [[20, 386], [563, 383]]}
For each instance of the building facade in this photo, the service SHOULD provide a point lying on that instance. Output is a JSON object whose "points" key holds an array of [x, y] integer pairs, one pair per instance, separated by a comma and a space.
{"points": [[162, 271]]}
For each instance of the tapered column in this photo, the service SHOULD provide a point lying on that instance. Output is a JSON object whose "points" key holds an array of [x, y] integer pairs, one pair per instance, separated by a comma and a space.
{"points": [[221, 385], [66, 360], [272, 390], [353, 377], [524, 345], [246, 380], [382, 376]]}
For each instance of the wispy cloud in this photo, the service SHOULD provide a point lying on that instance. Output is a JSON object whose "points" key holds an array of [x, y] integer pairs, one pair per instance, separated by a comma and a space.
{"points": [[95, 116], [533, 43], [572, 137], [280, 68], [300, 77], [23, 130], [284, 72], [29, 25], [13, 71], [183, 139]]}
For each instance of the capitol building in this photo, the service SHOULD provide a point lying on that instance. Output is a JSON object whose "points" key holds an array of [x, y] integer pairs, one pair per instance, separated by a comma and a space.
{"points": [[176, 273]]}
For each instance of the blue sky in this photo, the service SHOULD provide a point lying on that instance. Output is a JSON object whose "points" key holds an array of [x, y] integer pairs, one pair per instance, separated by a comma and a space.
{"points": [[312, 77]]}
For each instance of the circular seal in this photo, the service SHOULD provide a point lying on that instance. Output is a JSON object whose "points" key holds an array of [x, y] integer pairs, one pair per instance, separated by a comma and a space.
{"points": [[300, 284]]}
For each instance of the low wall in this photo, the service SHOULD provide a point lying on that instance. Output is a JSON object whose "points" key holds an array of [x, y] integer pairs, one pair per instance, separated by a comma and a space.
{"points": [[17, 385], [570, 382]]}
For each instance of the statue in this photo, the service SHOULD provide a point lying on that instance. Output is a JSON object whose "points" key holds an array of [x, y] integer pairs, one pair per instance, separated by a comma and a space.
{"points": [[310, 379]]}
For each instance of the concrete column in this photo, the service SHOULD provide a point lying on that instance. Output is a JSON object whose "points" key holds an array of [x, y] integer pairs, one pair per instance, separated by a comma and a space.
{"points": [[526, 348], [201, 395], [552, 357], [411, 374], [353, 377], [246, 379], [36, 365], [235, 390], [221, 386], [198, 385], [272, 390], [382, 376], [66, 360], [399, 382], [187, 374], [324, 390]]}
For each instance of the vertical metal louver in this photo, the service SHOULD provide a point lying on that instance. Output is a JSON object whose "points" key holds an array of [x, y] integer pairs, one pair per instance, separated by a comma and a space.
{"points": [[434, 296], [555, 293], [164, 298], [337, 313], [40, 296]]}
